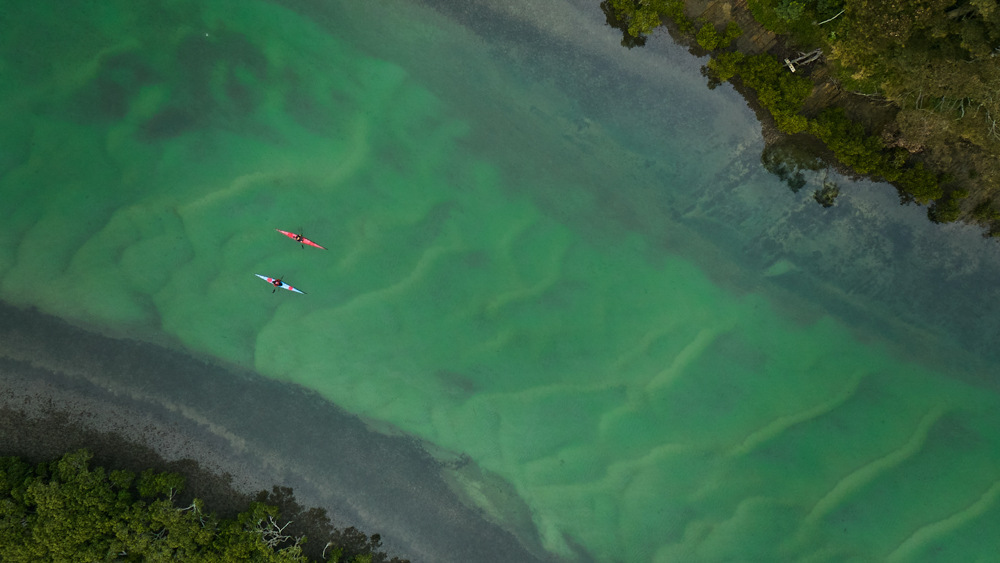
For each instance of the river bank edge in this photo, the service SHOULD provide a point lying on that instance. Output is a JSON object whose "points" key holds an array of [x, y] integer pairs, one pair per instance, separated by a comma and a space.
{"points": [[235, 439], [46, 425], [963, 169]]}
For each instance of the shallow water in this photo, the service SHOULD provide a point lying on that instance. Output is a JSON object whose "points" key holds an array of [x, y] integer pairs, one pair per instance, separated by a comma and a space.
{"points": [[551, 254]]}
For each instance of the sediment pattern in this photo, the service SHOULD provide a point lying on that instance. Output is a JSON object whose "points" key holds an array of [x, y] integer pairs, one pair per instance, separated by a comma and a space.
{"points": [[642, 411]]}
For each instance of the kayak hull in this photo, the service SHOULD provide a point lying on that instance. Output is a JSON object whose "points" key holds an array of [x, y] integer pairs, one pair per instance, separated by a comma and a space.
{"points": [[303, 241], [282, 286]]}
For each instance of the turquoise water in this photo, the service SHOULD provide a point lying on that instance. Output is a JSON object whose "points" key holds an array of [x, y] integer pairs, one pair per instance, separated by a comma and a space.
{"points": [[555, 256]]}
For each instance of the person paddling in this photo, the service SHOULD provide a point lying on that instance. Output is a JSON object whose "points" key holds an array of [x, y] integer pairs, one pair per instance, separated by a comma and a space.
{"points": [[300, 239], [279, 284]]}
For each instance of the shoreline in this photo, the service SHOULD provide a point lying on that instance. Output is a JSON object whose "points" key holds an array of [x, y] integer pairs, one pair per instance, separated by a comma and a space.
{"points": [[139, 406], [878, 116], [40, 420]]}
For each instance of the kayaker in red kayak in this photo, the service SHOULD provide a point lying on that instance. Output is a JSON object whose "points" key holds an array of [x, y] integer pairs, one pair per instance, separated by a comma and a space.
{"points": [[300, 239]]}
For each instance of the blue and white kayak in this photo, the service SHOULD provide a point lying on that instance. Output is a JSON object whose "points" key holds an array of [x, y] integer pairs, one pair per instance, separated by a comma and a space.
{"points": [[277, 283]]}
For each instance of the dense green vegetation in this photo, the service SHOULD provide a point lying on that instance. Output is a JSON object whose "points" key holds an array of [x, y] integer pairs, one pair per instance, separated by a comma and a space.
{"points": [[709, 38], [778, 90], [934, 61], [931, 55], [782, 94], [637, 18], [63, 511]]}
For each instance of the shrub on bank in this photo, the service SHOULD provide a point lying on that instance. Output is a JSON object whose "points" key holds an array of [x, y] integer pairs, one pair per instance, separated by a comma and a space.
{"points": [[783, 93], [850, 144], [64, 511], [674, 9], [726, 65], [778, 90], [710, 39]]}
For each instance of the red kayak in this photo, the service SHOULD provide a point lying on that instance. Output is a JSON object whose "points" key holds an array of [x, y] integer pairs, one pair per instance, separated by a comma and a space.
{"points": [[300, 239]]}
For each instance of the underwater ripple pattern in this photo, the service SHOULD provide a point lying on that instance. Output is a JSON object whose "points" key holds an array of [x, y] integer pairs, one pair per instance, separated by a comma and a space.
{"points": [[639, 411]]}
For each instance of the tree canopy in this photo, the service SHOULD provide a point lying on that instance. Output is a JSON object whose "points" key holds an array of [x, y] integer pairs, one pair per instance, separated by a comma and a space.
{"points": [[63, 511], [635, 18], [934, 62]]}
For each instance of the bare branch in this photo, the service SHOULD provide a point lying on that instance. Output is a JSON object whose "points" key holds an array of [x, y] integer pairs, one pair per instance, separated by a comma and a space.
{"points": [[273, 534], [831, 19]]}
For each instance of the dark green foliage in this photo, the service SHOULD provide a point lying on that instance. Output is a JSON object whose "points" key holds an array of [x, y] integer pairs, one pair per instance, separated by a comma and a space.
{"points": [[710, 39], [826, 9], [946, 209], [778, 90], [790, 10], [782, 94], [674, 9], [937, 56], [726, 65], [794, 16], [637, 18], [153, 484], [922, 184], [351, 543], [764, 12], [620, 22], [867, 155], [936, 59], [64, 511], [849, 142], [926, 54], [985, 211], [634, 17], [732, 33]]}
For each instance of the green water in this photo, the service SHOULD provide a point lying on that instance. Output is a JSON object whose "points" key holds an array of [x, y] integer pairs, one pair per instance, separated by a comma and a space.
{"points": [[485, 289]]}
